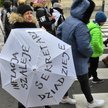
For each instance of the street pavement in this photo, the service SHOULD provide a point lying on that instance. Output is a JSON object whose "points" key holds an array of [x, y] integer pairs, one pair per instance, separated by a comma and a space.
{"points": [[99, 91]]}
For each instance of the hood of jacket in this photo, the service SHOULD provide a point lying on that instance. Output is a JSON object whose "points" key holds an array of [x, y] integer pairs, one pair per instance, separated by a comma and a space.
{"points": [[14, 17], [79, 7], [92, 24], [82, 9]]}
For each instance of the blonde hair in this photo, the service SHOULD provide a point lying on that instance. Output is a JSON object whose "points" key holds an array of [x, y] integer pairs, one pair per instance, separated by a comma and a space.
{"points": [[45, 3], [21, 2], [38, 5], [48, 3]]}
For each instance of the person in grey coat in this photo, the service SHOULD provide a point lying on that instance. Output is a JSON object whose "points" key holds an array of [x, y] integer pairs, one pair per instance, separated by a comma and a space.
{"points": [[75, 33], [5, 13]]}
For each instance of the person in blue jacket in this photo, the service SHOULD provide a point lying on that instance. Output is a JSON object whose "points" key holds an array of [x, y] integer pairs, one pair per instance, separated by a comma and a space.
{"points": [[74, 32]]}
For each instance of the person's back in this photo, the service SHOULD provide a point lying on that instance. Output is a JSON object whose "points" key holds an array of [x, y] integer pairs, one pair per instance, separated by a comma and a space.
{"points": [[75, 33]]}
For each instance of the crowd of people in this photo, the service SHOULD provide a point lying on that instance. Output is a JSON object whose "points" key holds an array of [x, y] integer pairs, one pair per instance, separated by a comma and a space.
{"points": [[84, 36]]}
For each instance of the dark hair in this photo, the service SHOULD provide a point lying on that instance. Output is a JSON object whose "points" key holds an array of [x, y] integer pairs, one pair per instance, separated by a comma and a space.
{"points": [[7, 4], [31, 3]]}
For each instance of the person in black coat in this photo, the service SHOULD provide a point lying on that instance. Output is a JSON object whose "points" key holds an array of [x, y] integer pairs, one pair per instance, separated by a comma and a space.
{"points": [[44, 16], [23, 19]]}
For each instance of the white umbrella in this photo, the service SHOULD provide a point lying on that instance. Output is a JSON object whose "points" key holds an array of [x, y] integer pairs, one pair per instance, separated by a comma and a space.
{"points": [[36, 67]]}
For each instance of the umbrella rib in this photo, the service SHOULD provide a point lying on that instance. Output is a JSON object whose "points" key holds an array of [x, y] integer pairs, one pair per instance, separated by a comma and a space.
{"points": [[26, 43], [16, 79], [59, 54], [31, 88], [54, 57], [22, 40], [12, 62], [28, 92]]}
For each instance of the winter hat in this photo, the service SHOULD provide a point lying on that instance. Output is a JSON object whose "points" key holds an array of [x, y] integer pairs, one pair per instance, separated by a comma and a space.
{"points": [[7, 4], [100, 17], [82, 9], [23, 8], [79, 7]]}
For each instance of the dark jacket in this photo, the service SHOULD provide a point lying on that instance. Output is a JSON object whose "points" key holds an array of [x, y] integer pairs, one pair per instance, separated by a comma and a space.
{"points": [[23, 25], [43, 16]]}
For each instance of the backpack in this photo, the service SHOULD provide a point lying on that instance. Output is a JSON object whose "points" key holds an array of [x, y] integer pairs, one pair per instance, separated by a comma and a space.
{"points": [[43, 16]]}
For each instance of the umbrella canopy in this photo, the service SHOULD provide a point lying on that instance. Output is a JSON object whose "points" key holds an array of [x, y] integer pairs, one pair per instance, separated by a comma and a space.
{"points": [[36, 67]]}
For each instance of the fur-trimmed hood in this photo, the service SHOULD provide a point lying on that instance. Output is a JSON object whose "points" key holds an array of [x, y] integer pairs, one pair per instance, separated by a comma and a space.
{"points": [[14, 17], [79, 7]]}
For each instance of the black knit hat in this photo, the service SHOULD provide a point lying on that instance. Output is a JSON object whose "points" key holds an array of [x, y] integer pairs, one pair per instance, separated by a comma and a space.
{"points": [[7, 4], [23, 8]]}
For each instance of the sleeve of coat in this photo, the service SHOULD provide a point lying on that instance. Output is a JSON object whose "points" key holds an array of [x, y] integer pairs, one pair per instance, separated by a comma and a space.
{"points": [[82, 36], [97, 42], [59, 31]]}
